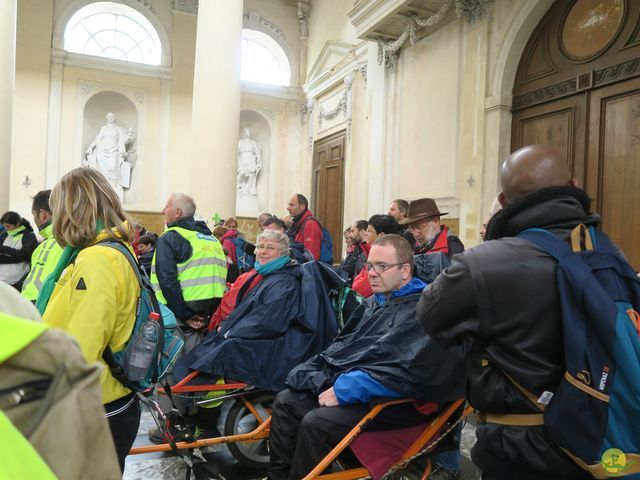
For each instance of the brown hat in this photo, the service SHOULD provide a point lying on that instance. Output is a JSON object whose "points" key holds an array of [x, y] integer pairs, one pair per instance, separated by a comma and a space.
{"points": [[421, 208]]}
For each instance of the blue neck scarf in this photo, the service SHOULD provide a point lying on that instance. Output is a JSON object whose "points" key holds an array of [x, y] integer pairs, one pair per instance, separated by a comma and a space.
{"points": [[414, 286], [272, 266]]}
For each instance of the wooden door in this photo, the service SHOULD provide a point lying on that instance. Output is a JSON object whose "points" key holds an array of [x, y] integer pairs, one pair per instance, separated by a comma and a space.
{"points": [[613, 160], [577, 89], [561, 124], [328, 186]]}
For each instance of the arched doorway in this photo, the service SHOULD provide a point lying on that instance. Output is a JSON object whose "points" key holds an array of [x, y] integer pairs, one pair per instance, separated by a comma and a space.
{"points": [[577, 88]]}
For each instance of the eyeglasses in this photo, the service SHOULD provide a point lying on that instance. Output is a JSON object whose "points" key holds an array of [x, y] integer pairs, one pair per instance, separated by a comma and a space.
{"points": [[380, 268], [268, 248]]}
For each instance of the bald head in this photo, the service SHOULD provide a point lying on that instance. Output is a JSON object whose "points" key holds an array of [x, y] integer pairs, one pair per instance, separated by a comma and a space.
{"points": [[531, 168]]}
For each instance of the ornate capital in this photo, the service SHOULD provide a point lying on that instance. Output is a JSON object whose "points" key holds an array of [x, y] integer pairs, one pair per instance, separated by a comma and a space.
{"points": [[146, 4], [304, 9], [186, 6], [472, 11]]}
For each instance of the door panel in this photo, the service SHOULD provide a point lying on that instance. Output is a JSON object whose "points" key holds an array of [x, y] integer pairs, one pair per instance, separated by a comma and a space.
{"points": [[614, 163], [561, 124], [328, 186]]}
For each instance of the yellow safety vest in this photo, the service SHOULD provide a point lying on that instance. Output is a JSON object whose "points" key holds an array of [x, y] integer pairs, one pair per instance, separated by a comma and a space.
{"points": [[43, 262], [204, 275]]}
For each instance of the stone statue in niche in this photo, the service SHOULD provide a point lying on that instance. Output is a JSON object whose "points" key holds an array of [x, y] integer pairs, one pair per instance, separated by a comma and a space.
{"points": [[112, 153], [249, 163]]}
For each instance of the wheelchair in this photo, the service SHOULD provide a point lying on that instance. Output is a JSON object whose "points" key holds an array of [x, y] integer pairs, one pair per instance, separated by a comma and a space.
{"points": [[247, 426]]}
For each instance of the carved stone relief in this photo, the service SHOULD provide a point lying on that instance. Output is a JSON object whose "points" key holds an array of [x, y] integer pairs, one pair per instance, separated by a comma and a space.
{"points": [[186, 6]]}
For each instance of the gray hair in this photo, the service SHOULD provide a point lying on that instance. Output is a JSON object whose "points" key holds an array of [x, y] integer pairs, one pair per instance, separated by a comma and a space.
{"points": [[185, 203], [278, 237]]}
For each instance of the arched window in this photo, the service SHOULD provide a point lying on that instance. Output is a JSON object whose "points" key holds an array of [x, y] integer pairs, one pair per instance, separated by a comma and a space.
{"points": [[263, 60], [113, 30]]}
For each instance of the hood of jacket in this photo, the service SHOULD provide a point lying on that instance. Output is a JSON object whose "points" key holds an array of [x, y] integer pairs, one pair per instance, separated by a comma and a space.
{"points": [[191, 224], [229, 234], [555, 208]]}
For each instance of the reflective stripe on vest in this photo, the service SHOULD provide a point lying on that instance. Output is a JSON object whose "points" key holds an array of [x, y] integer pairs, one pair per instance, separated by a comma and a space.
{"points": [[43, 262], [24, 461], [203, 276], [14, 272]]}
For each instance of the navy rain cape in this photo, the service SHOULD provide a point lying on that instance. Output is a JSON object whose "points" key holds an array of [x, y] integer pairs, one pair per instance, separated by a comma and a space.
{"points": [[388, 343], [285, 319]]}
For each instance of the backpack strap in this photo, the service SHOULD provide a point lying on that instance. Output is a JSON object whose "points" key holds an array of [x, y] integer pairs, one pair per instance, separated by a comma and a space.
{"points": [[246, 286], [116, 370]]}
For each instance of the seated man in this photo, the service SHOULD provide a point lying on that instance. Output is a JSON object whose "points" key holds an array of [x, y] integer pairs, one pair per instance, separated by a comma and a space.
{"points": [[379, 353], [263, 329]]}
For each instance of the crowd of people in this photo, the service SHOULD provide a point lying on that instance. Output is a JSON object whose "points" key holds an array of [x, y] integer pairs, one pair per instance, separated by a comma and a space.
{"points": [[426, 319]]}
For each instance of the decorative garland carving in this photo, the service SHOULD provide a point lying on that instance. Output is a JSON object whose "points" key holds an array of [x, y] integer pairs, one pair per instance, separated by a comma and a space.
{"points": [[186, 6], [362, 68], [471, 10], [334, 112], [597, 78]]}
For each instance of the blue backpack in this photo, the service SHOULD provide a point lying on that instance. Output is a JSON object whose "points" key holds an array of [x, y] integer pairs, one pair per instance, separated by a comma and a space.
{"points": [[326, 249], [170, 341], [594, 413], [244, 259]]}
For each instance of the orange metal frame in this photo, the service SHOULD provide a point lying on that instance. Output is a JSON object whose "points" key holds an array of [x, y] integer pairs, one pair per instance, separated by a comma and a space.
{"points": [[260, 433], [424, 438]]}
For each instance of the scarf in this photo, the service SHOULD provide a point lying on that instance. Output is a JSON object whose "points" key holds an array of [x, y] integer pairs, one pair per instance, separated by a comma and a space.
{"points": [[68, 256], [272, 266]]}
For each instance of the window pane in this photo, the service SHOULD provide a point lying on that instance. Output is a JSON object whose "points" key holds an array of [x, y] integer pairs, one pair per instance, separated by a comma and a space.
{"points": [[111, 30], [263, 60]]}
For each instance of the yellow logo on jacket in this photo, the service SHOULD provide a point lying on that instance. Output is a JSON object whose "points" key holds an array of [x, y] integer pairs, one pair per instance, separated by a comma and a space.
{"points": [[614, 462]]}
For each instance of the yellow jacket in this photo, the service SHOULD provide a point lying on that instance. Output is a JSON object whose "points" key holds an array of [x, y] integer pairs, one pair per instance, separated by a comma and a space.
{"points": [[95, 302]]}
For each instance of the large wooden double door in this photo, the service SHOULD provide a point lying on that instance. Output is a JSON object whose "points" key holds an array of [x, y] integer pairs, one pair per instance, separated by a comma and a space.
{"points": [[578, 89]]}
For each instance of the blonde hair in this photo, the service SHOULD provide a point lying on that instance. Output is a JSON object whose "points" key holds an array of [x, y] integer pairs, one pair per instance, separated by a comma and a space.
{"points": [[81, 199]]}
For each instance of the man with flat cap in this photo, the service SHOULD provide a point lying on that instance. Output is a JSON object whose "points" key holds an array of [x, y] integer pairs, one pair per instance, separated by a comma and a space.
{"points": [[423, 218], [500, 299]]}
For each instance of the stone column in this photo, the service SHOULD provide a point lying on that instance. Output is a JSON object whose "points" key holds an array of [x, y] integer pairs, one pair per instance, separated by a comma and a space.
{"points": [[8, 12], [216, 108]]}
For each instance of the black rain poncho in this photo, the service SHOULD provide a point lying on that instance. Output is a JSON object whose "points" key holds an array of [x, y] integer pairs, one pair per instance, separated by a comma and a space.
{"points": [[281, 322], [388, 343]]}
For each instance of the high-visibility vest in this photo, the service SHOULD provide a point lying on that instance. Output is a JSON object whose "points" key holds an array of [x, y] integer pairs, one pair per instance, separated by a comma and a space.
{"points": [[43, 262], [24, 461], [204, 275], [13, 272]]}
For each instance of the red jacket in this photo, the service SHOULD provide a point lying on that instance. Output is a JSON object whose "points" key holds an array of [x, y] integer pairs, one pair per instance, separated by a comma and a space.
{"points": [[227, 243], [361, 283], [307, 230], [230, 298]]}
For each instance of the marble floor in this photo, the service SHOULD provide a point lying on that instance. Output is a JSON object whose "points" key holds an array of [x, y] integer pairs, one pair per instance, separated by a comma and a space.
{"points": [[167, 466]]}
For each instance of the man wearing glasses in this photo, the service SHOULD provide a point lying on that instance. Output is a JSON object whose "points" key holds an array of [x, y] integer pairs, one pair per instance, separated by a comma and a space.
{"points": [[379, 353], [423, 218]]}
